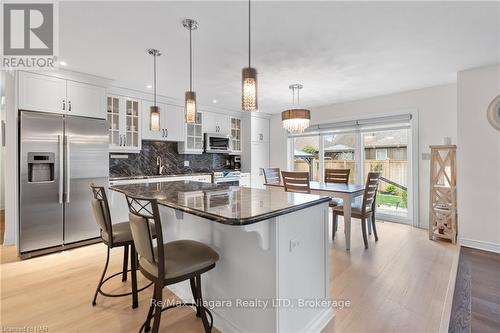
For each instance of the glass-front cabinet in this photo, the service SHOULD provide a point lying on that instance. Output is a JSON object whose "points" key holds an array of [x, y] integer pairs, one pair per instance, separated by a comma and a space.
{"points": [[193, 137], [123, 117], [236, 135]]}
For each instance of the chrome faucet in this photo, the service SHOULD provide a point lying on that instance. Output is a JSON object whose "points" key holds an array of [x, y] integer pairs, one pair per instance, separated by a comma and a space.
{"points": [[159, 165]]}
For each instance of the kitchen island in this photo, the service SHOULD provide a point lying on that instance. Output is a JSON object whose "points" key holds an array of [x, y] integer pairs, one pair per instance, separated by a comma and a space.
{"points": [[272, 275]]}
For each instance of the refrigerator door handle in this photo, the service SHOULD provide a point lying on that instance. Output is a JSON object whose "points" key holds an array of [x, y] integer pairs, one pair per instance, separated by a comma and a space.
{"points": [[68, 169], [61, 167]]}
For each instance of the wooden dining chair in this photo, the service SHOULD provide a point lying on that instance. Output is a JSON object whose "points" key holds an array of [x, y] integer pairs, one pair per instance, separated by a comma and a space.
{"points": [[337, 176], [272, 175], [367, 209], [296, 181]]}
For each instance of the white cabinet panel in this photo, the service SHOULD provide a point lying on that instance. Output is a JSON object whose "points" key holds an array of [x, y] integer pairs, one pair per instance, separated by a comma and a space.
{"points": [[260, 160], [85, 100], [260, 129], [173, 122], [193, 136], [41, 93], [124, 120], [216, 123], [245, 179]]}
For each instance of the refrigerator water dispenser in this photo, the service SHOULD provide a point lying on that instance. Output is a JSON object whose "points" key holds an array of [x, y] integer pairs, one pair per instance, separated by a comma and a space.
{"points": [[41, 167]]}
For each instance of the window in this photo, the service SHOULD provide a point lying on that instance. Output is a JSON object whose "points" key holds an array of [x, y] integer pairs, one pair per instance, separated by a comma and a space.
{"points": [[339, 151], [381, 154], [306, 155]]}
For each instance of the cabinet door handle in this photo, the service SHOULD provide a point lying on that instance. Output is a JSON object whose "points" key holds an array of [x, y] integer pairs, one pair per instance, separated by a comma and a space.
{"points": [[64, 105], [120, 140], [69, 105], [261, 136], [124, 140], [166, 132], [162, 132]]}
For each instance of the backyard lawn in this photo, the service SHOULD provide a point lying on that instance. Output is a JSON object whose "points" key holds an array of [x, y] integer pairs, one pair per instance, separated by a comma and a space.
{"points": [[391, 200]]}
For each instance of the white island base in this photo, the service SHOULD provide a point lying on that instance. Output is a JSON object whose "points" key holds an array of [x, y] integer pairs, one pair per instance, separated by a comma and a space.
{"points": [[279, 260]]}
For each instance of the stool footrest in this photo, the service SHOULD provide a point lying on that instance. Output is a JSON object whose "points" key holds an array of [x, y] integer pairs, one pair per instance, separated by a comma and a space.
{"points": [[119, 295]]}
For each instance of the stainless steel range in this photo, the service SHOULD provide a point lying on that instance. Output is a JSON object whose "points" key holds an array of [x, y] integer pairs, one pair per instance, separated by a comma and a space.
{"points": [[226, 177]]}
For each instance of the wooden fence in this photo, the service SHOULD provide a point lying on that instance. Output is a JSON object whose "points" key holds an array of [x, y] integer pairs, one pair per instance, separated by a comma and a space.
{"points": [[395, 170]]}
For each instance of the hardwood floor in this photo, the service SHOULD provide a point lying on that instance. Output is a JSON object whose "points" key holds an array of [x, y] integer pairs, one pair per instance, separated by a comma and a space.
{"points": [[397, 285], [476, 303]]}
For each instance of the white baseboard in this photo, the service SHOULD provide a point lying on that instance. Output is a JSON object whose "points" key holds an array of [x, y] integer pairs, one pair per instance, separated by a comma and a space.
{"points": [[481, 245]]}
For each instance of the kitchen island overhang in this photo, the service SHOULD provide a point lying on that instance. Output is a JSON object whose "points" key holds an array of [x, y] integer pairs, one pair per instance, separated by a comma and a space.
{"points": [[273, 249]]}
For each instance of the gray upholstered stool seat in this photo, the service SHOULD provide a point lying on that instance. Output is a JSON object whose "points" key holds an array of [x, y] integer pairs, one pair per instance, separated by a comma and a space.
{"points": [[122, 232], [182, 257]]}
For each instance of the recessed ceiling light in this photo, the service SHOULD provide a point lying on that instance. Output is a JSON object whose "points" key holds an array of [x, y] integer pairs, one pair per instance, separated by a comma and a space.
{"points": [[63, 63], [149, 86], [214, 101]]}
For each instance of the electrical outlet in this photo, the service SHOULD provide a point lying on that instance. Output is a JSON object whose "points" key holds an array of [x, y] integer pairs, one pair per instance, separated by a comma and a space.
{"points": [[186, 163], [294, 243]]}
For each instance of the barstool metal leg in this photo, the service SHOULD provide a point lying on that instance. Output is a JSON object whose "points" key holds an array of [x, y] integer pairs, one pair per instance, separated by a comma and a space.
{"points": [[133, 273], [102, 278], [125, 263], [157, 314], [193, 290], [199, 307], [147, 326]]}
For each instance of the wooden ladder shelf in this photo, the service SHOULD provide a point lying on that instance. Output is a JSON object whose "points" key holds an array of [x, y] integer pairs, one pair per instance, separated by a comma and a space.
{"points": [[443, 193]]}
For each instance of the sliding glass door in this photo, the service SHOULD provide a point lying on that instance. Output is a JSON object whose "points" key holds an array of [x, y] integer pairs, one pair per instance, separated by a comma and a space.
{"points": [[386, 151], [381, 144]]}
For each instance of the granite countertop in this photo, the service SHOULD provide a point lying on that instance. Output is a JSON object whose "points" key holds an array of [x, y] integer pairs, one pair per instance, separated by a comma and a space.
{"points": [[222, 203], [160, 176]]}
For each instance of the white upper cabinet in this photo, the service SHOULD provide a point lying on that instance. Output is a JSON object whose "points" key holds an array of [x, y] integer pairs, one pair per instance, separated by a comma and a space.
{"points": [[235, 124], [192, 142], [50, 94], [174, 123], [260, 129], [41, 93], [216, 123], [124, 121], [171, 122], [85, 100]]}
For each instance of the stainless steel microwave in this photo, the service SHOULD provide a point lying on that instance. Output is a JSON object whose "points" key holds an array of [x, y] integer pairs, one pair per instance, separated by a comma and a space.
{"points": [[217, 143]]}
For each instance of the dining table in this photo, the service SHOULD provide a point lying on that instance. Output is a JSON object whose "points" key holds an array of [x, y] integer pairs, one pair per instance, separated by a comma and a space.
{"points": [[346, 192]]}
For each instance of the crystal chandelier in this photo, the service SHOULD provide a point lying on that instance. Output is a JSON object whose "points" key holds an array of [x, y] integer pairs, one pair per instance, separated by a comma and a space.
{"points": [[296, 120], [249, 77], [190, 96]]}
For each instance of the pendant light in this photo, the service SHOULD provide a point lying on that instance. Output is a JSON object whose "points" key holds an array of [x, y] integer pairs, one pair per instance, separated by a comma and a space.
{"points": [[190, 96], [296, 120], [249, 77], [154, 111]]}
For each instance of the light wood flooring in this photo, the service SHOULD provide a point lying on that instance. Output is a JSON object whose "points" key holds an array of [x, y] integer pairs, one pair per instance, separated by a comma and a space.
{"points": [[398, 285]]}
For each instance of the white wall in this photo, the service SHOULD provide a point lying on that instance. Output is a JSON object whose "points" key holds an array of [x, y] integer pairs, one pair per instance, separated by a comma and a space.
{"points": [[478, 158], [437, 119]]}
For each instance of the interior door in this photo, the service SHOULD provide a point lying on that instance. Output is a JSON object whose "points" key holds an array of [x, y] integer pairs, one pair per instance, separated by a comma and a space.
{"points": [[86, 100], [41, 209], [87, 162]]}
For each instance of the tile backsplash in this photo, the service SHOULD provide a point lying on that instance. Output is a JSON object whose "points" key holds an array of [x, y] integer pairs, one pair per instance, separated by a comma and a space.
{"points": [[144, 163]]}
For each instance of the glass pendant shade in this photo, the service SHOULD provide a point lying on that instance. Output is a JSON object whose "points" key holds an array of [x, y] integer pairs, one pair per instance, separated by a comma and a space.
{"points": [[190, 107], [249, 89], [154, 118], [296, 120]]}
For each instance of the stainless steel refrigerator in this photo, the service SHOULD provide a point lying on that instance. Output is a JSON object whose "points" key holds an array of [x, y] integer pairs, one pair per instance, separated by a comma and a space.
{"points": [[60, 156]]}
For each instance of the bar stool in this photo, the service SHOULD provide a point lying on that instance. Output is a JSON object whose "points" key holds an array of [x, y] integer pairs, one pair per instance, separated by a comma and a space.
{"points": [[168, 263], [115, 235]]}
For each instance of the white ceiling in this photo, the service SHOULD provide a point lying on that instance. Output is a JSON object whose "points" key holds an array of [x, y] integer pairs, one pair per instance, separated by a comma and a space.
{"points": [[340, 51]]}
